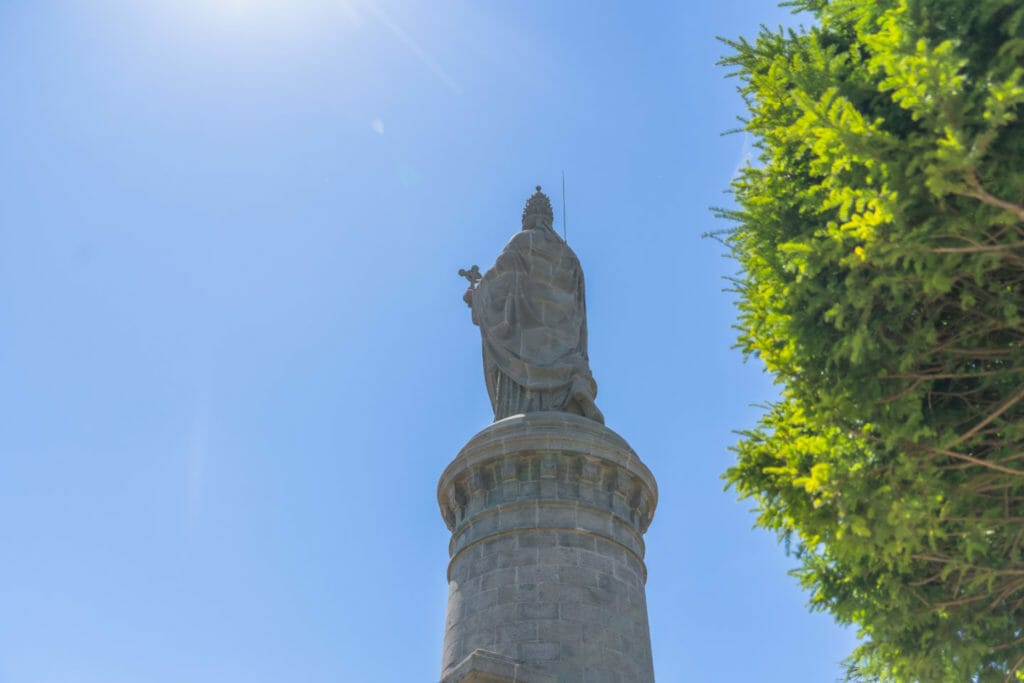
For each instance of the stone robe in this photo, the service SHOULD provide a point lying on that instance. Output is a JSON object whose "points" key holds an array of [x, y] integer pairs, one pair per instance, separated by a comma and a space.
{"points": [[532, 315]]}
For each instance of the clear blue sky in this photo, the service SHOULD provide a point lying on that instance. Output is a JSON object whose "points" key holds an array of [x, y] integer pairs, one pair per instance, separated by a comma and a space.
{"points": [[234, 358]]}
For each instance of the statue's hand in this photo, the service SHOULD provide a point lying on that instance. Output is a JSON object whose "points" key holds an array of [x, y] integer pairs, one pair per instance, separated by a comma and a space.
{"points": [[468, 296]]}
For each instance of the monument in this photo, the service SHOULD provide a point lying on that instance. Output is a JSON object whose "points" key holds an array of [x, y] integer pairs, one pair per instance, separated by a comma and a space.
{"points": [[547, 506]]}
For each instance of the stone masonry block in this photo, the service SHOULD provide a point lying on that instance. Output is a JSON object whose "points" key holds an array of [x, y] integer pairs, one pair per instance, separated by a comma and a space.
{"points": [[499, 577], [557, 517], [569, 539], [532, 611], [539, 652], [519, 516], [537, 573], [592, 560], [517, 557], [517, 632]]}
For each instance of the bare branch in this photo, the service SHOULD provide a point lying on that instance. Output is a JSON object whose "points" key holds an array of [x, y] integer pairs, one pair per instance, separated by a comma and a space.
{"points": [[978, 461], [981, 194], [1012, 673], [981, 425]]}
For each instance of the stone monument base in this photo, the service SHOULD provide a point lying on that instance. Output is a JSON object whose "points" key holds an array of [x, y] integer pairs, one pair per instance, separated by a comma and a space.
{"points": [[546, 580], [487, 667]]}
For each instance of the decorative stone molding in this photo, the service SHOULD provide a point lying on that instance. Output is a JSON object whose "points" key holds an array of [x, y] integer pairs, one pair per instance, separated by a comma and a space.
{"points": [[557, 458], [487, 667]]}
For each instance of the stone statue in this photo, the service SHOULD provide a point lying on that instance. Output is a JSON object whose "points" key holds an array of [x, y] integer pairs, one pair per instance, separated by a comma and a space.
{"points": [[531, 310]]}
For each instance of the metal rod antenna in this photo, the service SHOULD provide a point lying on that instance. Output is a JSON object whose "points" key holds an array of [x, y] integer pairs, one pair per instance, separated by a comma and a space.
{"points": [[564, 237]]}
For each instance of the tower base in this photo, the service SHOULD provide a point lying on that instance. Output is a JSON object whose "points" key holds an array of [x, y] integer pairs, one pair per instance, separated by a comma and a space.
{"points": [[546, 580]]}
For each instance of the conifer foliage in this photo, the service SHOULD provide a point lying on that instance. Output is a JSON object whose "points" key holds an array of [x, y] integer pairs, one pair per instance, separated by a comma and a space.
{"points": [[881, 240]]}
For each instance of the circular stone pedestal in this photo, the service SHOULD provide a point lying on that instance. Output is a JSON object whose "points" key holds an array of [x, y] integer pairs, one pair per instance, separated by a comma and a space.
{"points": [[546, 581]]}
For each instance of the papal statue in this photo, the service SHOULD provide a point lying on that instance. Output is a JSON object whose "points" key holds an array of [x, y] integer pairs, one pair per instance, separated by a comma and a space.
{"points": [[531, 310]]}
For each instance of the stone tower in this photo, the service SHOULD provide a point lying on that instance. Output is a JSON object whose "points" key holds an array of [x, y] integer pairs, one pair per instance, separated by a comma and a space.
{"points": [[547, 506]]}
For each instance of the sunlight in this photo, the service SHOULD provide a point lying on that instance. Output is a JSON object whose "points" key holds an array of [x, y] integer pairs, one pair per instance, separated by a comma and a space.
{"points": [[266, 19], [258, 10], [277, 31]]}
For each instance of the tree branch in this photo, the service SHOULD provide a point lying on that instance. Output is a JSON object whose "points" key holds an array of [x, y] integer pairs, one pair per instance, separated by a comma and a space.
{"points": [[979, 462], [981, 425], [981, 194]]}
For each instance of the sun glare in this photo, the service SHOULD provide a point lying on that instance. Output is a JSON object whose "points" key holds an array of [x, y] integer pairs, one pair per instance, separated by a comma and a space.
{"points": [[259, 19]]}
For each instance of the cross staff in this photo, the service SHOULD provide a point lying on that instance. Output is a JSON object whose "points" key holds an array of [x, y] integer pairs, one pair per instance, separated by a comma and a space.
{"points": [[473, 275]]}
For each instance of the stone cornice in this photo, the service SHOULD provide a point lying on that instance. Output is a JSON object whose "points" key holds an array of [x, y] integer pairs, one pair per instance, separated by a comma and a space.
{"points": [[554, 459]]}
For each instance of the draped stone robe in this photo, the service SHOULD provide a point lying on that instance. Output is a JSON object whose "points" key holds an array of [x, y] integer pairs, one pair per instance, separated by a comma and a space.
{"points": [[531, 309]]}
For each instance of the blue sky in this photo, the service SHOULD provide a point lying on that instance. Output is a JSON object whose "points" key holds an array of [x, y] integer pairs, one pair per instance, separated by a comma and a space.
{"points": [[234, 358]]}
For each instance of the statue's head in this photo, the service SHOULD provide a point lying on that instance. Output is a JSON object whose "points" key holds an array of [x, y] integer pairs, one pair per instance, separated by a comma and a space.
{"points": [[537, 213]]}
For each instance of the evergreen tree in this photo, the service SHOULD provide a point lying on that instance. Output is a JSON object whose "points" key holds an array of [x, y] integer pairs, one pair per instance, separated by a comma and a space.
{"points": [[881, 240]]}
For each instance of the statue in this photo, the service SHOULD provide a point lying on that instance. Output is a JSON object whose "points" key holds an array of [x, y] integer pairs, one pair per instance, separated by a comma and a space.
{"points": [[531, 310]]}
